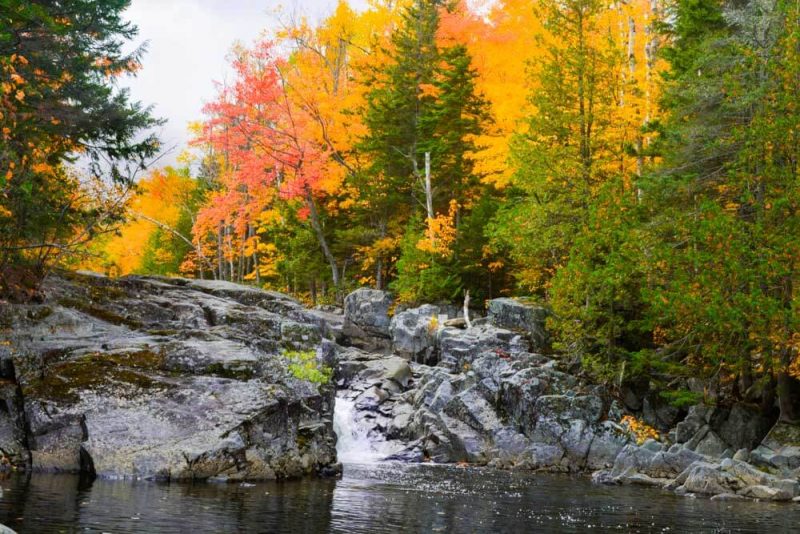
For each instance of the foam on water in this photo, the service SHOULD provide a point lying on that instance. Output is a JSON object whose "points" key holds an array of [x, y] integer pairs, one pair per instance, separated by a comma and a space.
{"points": [[354, 444]]}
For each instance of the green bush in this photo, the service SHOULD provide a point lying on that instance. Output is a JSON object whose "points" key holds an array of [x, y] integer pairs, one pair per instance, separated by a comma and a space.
{"points": [[304, 365]]}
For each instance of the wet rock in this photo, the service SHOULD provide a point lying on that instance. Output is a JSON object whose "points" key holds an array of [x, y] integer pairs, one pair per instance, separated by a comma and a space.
{"points": [[391, 368], [371, 398], [765, 493], [13, 439], [640, 479]]}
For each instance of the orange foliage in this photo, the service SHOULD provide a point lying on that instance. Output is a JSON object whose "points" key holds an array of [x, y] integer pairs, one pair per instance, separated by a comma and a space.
{"points": [[441, 233], [640, 430]]}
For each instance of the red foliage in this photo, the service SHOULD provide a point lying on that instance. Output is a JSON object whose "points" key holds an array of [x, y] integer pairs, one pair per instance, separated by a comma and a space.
{"points": [[265, 143]]}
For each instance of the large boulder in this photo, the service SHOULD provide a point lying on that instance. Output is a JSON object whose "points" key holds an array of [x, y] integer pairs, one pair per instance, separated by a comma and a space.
{"points": [[168, 379], [780, 449], [366, 319], [520, 316], [735, 477], [460, 347], [414, 333]]}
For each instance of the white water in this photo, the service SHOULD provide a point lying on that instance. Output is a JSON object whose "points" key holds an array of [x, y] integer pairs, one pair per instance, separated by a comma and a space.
{"points": [[354, 445]]}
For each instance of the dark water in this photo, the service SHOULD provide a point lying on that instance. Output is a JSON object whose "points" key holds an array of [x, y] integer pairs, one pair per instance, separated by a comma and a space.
{"points": [[377, 499]]}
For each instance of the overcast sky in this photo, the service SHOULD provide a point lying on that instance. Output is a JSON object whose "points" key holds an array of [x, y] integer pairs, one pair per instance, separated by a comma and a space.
{"points": [[188, 41]]}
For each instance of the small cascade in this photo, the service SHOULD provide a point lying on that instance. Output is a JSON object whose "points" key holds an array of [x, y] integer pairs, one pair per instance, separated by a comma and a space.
{"points": [[354, 443]]}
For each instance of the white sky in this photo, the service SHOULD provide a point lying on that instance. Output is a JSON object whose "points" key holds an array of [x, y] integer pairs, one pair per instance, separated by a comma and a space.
{"points": [[188, 41]]}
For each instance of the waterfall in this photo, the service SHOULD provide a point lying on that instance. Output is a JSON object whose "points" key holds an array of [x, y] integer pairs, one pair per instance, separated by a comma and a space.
{"points": [[354, 443]]}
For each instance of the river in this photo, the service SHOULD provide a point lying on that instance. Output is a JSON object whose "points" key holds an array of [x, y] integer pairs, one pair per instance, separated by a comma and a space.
{"points": [[376, 498]]}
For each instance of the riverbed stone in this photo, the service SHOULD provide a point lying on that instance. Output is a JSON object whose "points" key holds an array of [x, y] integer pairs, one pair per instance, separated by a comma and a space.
{"points": [[707, 478]]}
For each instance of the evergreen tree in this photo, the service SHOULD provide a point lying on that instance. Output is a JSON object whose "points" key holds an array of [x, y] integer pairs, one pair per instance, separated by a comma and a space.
{"points": [[425, 103], [60, 59], [722, 210], [563, 158]]}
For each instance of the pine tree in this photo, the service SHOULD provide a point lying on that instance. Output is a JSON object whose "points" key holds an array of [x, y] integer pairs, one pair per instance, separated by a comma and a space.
{"points": [[563, 158], [424, 102], [724, 207], [58, 61]]}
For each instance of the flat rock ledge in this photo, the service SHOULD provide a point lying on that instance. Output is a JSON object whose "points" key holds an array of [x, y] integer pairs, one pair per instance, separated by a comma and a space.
{"points": [[159, 378]]}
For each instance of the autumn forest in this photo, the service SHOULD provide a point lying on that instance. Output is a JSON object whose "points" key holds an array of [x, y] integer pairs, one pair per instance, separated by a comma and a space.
{"points": [[631, 165]]}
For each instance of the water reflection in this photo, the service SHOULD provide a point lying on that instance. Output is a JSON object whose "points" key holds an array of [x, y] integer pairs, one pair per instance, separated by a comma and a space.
{"points": [[375, 499]]}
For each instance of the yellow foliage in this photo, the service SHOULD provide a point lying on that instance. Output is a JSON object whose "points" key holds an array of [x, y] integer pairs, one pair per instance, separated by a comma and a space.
{"points": [[160, 197], [441, 233], [640, 430]]}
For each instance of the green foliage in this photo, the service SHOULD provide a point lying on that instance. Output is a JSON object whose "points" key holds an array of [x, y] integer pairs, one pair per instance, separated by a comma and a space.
{"points": [[304, 365], [563, 156], [62, 61], [596, 297], [422, 276], [681, 398], [722, 270], [424, 101]]}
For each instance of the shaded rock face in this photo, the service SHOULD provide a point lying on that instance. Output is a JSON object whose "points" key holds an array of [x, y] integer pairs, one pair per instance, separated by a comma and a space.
{"points": [[483, 395], [163, 378], [496, 404], [520, 316], [366, 319], [713, 430]]}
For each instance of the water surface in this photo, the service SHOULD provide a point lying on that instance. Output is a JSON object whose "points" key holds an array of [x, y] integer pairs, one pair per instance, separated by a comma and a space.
{"points": [[382, 498]]}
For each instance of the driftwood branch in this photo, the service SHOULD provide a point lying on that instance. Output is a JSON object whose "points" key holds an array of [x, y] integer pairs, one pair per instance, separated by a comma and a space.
{"points": [[466, 309]]}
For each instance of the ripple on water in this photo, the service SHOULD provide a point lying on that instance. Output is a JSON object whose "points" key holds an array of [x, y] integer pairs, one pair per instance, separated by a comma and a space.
{"points": [[376, 498]]}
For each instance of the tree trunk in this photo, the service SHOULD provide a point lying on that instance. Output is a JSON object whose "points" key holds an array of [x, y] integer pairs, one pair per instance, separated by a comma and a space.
{"points": [[788, 391], [323, 243], [220, 258]]}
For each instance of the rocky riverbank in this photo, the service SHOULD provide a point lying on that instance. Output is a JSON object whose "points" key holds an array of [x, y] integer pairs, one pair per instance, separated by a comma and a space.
{"points": [[158, 378], [490, 395]]}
